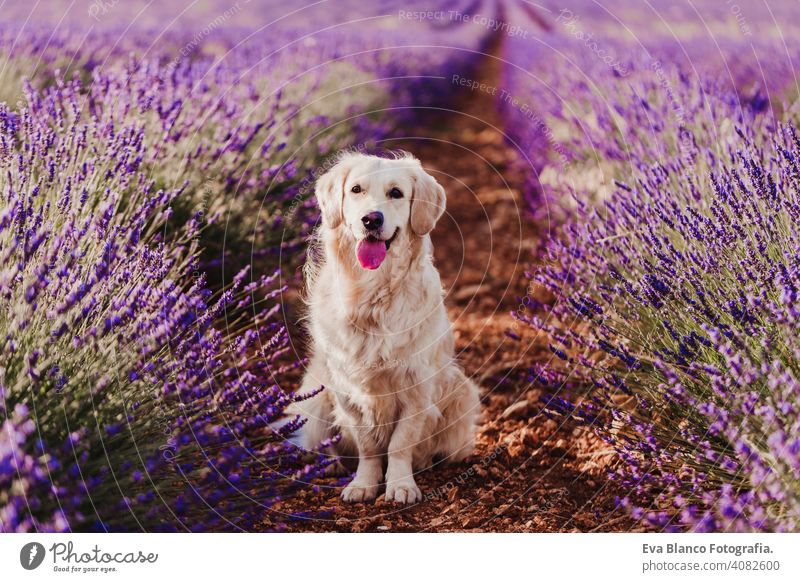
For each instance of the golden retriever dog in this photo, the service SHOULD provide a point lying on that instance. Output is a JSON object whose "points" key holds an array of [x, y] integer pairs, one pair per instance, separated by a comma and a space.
{"points": [[381, 342]]}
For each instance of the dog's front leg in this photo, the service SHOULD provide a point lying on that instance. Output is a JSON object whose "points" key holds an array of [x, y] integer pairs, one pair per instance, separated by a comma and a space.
{"points": [[400, 484], [364, 486]]}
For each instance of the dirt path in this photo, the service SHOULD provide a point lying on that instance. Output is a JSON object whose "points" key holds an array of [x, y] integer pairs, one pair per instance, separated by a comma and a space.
{"points": [[529, 474]]}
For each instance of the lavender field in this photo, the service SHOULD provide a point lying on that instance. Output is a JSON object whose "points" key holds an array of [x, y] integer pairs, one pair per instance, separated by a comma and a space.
{"points": [[621, 257]]}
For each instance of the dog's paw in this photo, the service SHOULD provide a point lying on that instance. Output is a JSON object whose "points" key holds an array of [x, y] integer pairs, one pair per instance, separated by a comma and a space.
{"points": [[356, 492], [403, 491]]}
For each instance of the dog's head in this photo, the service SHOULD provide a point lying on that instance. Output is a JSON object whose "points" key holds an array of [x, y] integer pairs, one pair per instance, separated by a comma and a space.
{"points": [[378, 201]]}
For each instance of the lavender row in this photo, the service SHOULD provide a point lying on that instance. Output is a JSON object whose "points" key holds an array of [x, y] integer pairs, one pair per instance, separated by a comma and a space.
{"points": [[125, 407], [604, 82], [674, 275]]}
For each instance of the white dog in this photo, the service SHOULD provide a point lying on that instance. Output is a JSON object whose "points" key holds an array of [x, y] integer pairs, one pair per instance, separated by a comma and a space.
{"points": [[382, 345]]}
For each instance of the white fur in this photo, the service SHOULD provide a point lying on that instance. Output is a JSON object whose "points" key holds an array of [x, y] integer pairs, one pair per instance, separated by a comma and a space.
{"points": [[382, 345]]}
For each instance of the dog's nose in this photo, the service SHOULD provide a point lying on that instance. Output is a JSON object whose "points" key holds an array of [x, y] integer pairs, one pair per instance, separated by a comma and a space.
{"points": [[373, 220]]}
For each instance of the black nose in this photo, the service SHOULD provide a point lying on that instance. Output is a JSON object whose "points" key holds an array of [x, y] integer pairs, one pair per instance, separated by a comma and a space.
{"points": [[373, 220]]}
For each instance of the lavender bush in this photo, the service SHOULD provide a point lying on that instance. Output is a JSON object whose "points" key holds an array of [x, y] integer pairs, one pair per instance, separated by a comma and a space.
{"points": [[682, 313], [126, 406], [675, 287]]}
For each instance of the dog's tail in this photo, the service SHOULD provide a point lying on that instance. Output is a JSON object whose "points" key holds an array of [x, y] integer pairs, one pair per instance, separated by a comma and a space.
{"points": [[289, 428], [299, 424]]}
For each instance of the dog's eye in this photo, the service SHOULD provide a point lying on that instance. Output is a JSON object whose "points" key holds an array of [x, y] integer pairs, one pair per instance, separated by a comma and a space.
{"points": [[355, 189], [395, 193]]}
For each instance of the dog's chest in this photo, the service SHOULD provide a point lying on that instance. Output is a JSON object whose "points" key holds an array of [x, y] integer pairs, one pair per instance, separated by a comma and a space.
{"points": [[372, 341], [375, 338]]}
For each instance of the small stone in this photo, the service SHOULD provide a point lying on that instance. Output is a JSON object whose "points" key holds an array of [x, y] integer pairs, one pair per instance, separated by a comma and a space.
{"points": [[452, 494], [515, 408]]}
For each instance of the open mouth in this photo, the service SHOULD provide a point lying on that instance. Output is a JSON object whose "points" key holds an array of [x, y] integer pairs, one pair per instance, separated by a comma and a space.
{"points": [[372, 250], [373, 239]]}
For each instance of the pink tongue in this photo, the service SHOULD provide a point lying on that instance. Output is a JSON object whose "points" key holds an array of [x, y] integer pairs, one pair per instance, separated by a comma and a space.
{"points": [[371, 254]]}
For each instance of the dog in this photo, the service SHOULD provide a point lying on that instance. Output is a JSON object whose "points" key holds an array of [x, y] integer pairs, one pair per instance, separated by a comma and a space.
{"points": [[382, 345]]}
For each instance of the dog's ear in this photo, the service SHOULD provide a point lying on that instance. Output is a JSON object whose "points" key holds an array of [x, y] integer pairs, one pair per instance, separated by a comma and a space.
{"points": [[427, 202], [329, 191]]}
